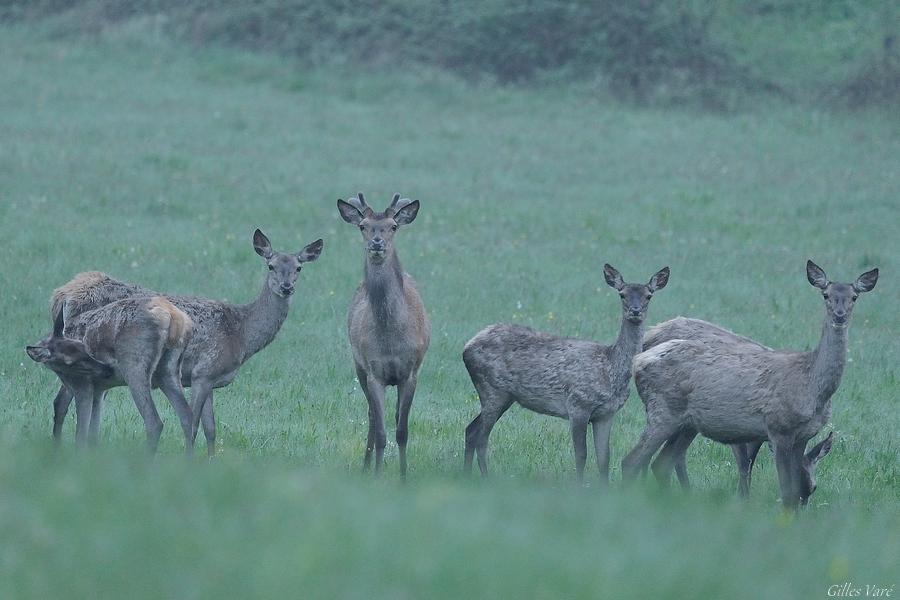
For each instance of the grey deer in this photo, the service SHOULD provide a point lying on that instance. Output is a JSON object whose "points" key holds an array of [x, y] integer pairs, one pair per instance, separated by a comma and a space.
{"points": [[224, 337], [387, 325], [674, 451], [579, 380], [741, 393], [138, 342]]}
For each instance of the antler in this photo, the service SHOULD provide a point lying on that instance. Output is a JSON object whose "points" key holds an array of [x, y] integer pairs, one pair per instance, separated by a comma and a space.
{"points": [[360, 203], [397, 204]]}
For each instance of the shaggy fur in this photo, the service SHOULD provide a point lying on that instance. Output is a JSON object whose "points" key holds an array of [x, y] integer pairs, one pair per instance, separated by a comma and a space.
{"points": [[579, 380], [223, 336], [738, 391]]}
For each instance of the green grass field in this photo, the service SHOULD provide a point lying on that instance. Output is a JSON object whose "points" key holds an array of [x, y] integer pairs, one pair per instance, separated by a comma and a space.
{"points": [[154, 164]]}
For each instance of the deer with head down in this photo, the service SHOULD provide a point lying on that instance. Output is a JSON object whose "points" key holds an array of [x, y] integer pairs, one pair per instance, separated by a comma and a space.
{"points": [[673, 454], [224, 336], [387, 324], [745, 393], [138, 342]]}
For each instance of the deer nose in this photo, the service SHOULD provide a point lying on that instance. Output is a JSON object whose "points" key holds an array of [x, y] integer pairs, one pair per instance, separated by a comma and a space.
{"points": [[287, 288], [377, 244]]}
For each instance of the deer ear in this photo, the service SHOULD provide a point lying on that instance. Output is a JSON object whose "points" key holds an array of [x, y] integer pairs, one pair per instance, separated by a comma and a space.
{"points": [[816, 275], [311, 252], [261, 245], [407, 214], [820, 450], [866, 282], [38, 353], [613, 277], [659, 280], [349, 213]]}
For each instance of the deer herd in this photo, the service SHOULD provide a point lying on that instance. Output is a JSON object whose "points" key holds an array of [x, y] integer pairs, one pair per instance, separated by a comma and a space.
{"points": [[692, 376]]}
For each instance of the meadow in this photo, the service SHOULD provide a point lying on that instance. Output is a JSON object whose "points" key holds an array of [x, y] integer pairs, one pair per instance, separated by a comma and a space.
{"points": [[154, 163]]}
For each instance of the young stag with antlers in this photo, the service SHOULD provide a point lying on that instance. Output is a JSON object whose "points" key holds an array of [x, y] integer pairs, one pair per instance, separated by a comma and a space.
{"points": [[388, 328]]}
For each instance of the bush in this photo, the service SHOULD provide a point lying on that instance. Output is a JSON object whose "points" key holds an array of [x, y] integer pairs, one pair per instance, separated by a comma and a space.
{"points": [[636, 47], [642, 50]]}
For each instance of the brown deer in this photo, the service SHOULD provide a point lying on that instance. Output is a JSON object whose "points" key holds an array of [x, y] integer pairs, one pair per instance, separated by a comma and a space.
{"points": [[673, 453], [138, 342], [744, 393], [578, 380], [387, 325], [224, 337]]}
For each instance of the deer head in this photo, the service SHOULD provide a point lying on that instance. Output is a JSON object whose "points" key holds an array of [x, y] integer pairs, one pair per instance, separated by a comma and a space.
{"points": [[808, 468], [635, 296], [284, 268], [378, 228], [840, 297], [66, 355]]}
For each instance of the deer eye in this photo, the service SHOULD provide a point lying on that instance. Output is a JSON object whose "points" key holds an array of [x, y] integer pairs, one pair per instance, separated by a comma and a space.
{"points": [[393, 227], [298, 269], [825, 296], [271, 267], [855, 296], [362, 228]]}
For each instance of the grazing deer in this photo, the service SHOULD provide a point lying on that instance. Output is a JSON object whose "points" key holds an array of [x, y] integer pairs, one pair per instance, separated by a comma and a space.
{"points": [[225, 335], [387, 325], [674, 451], [744, 393], [138, 342], [579, 380]]}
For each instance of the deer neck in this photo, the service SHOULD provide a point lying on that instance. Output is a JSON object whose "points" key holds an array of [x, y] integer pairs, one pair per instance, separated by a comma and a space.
{"points": [[627, 345], [384, 288], [828, 361], [262, 319]]}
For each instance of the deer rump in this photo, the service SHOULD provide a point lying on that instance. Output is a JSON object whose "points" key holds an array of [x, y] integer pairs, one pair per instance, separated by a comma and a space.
{"points": [[110, 333]]}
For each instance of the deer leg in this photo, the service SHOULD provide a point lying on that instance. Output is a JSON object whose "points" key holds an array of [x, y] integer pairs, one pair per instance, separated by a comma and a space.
{"points": [[375, 397], [140, 392], [170, 384], [362, 377], [674, 456], [752, 452], [601, 428], [744, 456], [201, 395], [653, 436], [579, 443], [208, 419], [405, 393], [94, 427], [472, 431], [664, 462], [490, 414], [84, 399], [61, 404], [787, 465], [681, 459]]}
